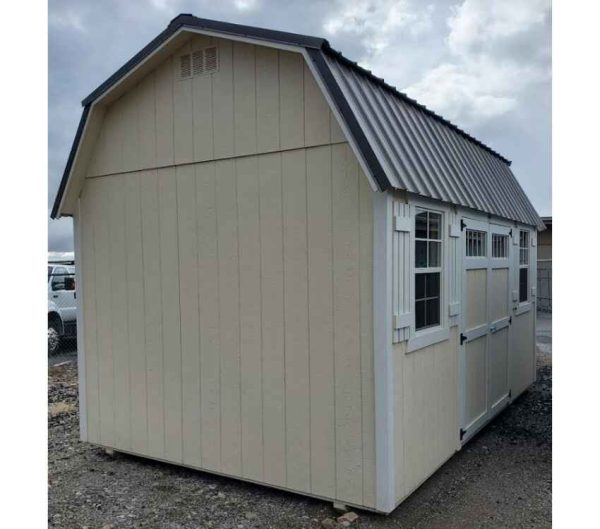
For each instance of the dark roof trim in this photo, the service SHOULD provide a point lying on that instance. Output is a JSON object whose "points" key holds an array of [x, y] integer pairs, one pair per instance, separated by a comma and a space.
{"points": [[72, 153], [283, 37], [315, 47], [350, 119], [184, 20]]}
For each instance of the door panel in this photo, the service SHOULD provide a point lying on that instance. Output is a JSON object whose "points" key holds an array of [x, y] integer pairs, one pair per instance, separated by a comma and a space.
{"points": [[476, 298], [498, 381], [476, 387], [498, 294]]}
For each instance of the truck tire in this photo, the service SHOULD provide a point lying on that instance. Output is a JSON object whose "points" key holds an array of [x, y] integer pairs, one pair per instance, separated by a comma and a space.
{"points": [[53, 338]]}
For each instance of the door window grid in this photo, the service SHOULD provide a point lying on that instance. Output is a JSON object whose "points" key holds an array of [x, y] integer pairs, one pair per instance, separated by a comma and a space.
{"points": [[476, 243], [428, 258], [499, 246], [523, 266]]}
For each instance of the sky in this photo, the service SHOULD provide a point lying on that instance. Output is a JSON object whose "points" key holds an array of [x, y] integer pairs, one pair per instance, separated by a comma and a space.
{"points": [[483, 64]]}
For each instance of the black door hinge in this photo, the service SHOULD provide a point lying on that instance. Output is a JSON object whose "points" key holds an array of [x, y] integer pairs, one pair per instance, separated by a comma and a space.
{"points": [[463, 224], [510, 232], [510, 393], [462, 433], [510, 320], [463, 338]]}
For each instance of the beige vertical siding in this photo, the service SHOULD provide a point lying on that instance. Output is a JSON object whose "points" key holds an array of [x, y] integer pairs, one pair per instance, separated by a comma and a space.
{"points": [[260, 100], [522, 353], [425, 403], [231, 325]]}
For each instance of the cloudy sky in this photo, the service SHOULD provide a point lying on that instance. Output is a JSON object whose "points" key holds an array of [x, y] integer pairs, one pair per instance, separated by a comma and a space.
{"points": [[483, 64]]}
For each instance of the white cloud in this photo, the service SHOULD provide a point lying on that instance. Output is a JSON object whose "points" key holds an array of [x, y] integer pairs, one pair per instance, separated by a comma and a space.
{"points": [[379, 24], [245, 5], [494, 55], [482, 22], [66, 20]]}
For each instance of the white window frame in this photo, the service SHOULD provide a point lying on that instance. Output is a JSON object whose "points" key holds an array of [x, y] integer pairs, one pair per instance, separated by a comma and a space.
{"points": [[430, 335], [520, 307]]}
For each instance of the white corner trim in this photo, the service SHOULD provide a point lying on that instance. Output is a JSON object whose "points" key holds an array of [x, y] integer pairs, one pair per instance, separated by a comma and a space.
{"points": [[383, 359], [80, 327]]}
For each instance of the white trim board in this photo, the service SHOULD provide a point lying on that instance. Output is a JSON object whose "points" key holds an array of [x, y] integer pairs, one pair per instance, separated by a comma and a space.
{"points": [[383, 350]]}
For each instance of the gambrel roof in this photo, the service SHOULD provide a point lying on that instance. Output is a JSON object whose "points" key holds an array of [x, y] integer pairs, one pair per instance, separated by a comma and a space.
{"points": [[400, 143]]}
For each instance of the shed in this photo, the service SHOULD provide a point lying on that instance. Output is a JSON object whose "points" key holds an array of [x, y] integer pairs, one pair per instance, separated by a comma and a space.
{"points": [[291, 273]]}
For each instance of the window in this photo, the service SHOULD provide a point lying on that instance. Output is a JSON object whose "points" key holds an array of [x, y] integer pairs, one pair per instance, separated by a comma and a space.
{"points": [[476, 243], [499, 246], [523, 265], [428, 259], [58, 278]]}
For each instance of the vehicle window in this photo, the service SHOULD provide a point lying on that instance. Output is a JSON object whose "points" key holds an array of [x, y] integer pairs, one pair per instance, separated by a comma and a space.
{"points": [[58, 278]]}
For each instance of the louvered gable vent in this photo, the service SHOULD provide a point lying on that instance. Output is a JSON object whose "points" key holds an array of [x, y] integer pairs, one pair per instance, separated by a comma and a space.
{"points": [[198, 62]]}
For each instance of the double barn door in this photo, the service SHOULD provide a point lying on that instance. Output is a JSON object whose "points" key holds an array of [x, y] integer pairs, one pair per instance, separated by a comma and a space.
{"points": [[486, 319]]}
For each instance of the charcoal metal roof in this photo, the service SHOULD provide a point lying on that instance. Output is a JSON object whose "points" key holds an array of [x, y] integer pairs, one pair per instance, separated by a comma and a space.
{"points": [[404, 144]]}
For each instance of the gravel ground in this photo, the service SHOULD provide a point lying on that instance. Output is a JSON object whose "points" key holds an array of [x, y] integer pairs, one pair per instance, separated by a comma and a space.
{"points": [[502, 478]]}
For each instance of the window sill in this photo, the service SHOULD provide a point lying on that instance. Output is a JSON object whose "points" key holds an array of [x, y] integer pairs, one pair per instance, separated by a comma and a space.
{"points": [[523, 308], [426, 338]]}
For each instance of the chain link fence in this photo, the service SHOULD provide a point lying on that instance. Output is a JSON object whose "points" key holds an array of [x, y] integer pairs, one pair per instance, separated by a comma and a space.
{"points": [[62, 308], [544, 285]]}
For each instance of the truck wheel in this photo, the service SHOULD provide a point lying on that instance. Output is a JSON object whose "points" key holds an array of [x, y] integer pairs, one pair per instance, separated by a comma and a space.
{"points": [[53, 339]]}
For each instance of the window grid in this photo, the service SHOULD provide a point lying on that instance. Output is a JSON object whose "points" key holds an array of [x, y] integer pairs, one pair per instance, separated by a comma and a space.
{"points": [[476, 243], [499, 246]]}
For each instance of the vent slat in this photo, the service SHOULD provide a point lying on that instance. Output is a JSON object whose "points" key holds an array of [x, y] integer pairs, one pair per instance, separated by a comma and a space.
{"points": [[198, 62], [185, 66], [210, 59]]}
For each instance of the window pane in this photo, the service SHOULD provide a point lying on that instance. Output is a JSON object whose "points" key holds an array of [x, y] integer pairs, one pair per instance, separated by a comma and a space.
{"points": [[419, 314], [499, 245], [432, 288], [434, 254], [475, 243], [432, 312], [420, 286], [421, 225], [435, 224], [420, 254], [523, 284]]}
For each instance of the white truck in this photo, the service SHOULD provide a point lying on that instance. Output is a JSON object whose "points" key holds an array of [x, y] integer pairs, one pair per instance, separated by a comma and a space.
{"points": [[62, 308]]}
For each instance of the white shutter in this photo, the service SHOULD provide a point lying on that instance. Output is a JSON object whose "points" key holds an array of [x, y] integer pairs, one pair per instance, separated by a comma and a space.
{"points": [[401, 279]]}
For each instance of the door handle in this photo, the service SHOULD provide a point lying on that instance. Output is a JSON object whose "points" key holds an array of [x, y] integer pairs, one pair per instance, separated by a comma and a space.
{"points": [[55, 295]]}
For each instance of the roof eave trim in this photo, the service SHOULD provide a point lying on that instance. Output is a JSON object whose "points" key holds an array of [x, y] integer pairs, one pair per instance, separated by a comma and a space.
{"points": [[55, 214]]}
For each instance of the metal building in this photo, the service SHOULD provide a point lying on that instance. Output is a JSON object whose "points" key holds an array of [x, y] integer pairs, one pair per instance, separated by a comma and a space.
{"points": [[289, 272]]}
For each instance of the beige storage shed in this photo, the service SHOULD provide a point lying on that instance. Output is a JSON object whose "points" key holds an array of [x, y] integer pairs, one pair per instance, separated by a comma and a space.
{"points": [[289, 272]]}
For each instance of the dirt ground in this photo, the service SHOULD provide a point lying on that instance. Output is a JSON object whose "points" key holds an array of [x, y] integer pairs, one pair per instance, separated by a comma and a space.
{"points": [[501, 479]]}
